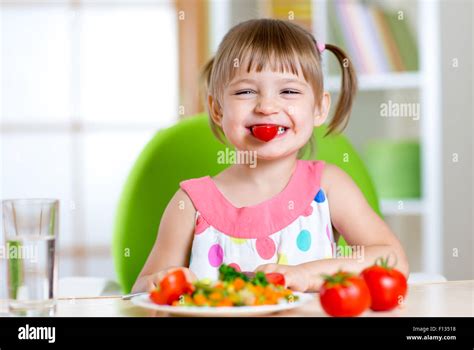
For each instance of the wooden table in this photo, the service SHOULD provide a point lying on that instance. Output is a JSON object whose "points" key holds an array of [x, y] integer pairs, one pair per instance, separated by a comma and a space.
{"points": [[453, 299]]}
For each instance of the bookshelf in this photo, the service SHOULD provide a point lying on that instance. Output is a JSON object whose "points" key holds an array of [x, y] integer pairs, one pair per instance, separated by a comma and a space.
{"points": [[426, 83], [423, 82]]}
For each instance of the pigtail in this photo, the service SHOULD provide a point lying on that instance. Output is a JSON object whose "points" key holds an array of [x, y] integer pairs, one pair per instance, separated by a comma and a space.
{"points": [[348, 91]]}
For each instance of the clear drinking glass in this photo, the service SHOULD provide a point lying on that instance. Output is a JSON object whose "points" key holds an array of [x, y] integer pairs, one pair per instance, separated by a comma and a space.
{"points": [[30, 228]]}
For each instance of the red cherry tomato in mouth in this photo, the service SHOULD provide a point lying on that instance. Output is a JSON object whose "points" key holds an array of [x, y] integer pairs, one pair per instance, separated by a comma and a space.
{"points": [[344, 295], [264, 132], [275, 278]]}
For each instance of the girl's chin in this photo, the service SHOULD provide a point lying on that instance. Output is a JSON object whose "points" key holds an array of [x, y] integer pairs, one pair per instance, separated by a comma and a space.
{"points": [[271, 157], [274, 149], [265, 153], [273, 154]]}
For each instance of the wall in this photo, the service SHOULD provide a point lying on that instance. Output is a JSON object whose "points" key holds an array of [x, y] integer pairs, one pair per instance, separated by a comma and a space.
{"points": [[457, 93]]}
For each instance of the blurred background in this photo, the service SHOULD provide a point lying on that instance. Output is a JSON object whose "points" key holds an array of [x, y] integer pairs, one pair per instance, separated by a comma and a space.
{"points": [[85, 84]]}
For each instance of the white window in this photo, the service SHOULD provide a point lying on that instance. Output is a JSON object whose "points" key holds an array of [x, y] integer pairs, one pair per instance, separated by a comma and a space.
{"points": [[84, 86]]}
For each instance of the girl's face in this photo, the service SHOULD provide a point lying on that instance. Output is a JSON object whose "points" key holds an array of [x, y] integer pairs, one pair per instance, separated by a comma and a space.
{"points": [[273, 98]]}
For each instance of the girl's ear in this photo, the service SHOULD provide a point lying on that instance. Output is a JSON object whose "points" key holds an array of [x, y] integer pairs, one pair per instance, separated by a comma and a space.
{"points": [[321, 113], [214, 110]]}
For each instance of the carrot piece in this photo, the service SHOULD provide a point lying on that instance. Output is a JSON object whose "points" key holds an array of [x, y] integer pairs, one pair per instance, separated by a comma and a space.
{"points": [[215, 296], [225, 302], [239, 283], [258, 290], [200, 299], [219, 286]]}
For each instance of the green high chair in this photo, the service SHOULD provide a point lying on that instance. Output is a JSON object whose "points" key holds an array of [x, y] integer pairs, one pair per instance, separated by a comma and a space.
{"points": [[189, 150]]}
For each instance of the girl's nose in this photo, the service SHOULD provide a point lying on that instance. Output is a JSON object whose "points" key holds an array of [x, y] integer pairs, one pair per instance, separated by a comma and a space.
{"points": [[267, 106]]}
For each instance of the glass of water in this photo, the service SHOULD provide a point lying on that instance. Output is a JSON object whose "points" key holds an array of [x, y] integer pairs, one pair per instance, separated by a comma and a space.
{"points": [[30, 228]]}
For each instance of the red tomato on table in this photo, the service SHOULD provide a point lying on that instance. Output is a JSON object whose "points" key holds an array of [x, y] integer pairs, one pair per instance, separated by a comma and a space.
{"points": [[344, 295], [387, 285]]}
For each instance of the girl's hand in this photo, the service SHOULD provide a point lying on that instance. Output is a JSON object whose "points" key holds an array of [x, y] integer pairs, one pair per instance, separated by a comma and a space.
{"points": [[150, 282], [296, 277]]}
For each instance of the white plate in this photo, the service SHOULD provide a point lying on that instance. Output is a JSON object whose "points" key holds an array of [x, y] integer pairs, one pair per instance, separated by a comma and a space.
{"points": [[204, 311]]}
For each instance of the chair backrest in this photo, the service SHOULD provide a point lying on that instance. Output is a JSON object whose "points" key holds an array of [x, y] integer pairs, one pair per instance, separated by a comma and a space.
{"points": [[183, 151]]}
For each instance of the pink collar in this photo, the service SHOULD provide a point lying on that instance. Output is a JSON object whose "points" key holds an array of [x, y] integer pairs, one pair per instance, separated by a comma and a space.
{"points": [[262, 219]]}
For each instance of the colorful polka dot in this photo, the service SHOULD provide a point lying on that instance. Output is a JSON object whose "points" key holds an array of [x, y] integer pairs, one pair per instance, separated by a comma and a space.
{"points": [[265, 247], [308, 211], [282, 259], [238, 240], [235, 266], [303, 241], [201, 225], [320, 197], [216, 255]]}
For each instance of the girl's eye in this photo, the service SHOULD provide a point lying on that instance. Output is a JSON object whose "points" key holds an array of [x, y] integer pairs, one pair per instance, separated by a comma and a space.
{"points": [[290, 92], [244, 92]]}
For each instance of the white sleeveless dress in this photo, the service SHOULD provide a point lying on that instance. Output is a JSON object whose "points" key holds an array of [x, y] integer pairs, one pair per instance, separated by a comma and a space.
{"points": [[292, 228]]}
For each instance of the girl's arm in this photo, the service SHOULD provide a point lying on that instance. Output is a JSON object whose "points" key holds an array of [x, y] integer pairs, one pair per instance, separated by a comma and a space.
{"points": [[173, 244], [360, 226]]}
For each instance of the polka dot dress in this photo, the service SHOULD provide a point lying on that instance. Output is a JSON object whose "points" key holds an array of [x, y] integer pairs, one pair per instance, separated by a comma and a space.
{"points": [[291, 228]]}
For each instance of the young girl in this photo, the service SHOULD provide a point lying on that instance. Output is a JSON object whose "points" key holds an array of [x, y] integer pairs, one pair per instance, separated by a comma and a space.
{"points": [[265, 95]]}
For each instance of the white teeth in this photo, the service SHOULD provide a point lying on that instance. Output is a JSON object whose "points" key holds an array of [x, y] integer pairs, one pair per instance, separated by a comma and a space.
{"points": [[281, 130]]}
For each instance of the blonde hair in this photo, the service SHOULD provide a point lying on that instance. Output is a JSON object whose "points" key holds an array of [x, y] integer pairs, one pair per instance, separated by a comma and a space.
{"points": [[281, 45]]}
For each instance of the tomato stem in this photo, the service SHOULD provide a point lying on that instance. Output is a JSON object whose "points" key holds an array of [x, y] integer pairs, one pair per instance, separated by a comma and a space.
{"points": [[339, 277], [384, 262]]}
